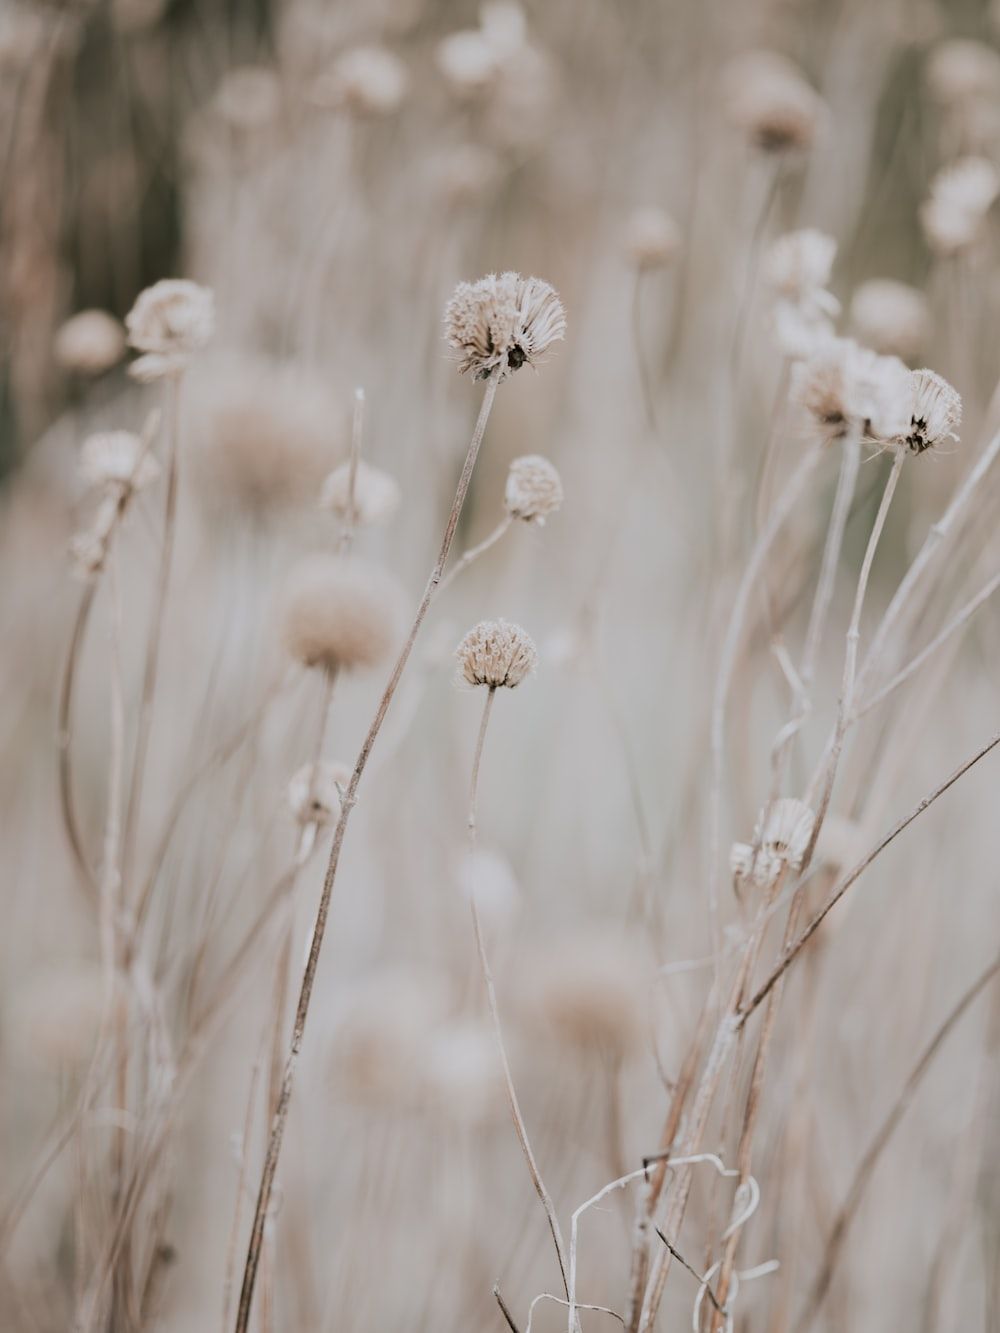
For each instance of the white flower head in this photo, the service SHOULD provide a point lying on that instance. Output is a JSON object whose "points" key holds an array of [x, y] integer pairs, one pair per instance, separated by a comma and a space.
{"points": [[502, 322], [173, 318], [118, 458], [960, 197], [936, 412], [849, 388], [533, 490], [496, 653], [376, 494]]}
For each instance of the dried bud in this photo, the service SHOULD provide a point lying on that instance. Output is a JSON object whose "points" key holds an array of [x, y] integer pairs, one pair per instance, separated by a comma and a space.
{"points": [[533, 490], [961, 69], [169, 321], [652, 238], [961, 195], [768, 98], [376, 494], [90, 343], [891, 318], [798, 265], [314, 791], [496, 653], [340, 614], [500, 323]]}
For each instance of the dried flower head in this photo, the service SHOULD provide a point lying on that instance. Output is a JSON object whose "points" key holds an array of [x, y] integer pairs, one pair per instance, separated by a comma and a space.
{"points": [[781, 838], [891, 317], [960, 197], [533, 490], [314, 791], [500, 323], [652, 238], [118, 458], [768, 98], [591, 992], [962, 69], [799, 264], [376, 494], [368, 80], [467, 60], [496, 653], [90, 343], [169, 321], [339, 614], [936, 412], [849, 388], [248, 98]]}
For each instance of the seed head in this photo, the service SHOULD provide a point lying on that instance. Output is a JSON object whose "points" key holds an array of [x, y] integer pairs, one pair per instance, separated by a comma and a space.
{"points": [[652, 238], [339, 615], [376, 494], [534, 489], [90, 343], [936, 412], [118, 458], [960, 197], [368, 80], [891, 317], [781, 838], [503, 322], [846, 387], [169, 322], [248, 98], [314, 791], [768, 98], [496, 653], [961, 70], [799, 264]]}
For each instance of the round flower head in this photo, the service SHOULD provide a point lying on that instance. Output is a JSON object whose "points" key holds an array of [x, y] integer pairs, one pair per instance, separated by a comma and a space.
{"points": [[376, 494], [314, 791], [652, 238], [533, 490], [467, 61], [117, 458], [591, 991], [960, 197], [799, 263], [781, 838], [936, 412], [768, 98], [172, 316], [248, 98], [891, 317], [338, 614], [90, 343], [962, 69], [496, 653], [846, 387], [368, 80], [499, 323]]}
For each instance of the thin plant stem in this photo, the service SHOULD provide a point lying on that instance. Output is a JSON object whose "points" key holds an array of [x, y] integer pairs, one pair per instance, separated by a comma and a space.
{"points": [[357, 434], [67, 802], [474, 552], [640, 360], [350, 797], [515, 1109], [865, 1169]]}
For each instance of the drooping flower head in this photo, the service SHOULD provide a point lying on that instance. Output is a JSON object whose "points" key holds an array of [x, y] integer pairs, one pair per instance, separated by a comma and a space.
{"points": [[936, 412], [846, 388], [781, 838], [501, 323], [533, 490], [496, 653]]}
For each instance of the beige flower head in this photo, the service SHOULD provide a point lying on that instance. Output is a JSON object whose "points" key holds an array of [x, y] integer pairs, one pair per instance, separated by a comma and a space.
{"points": [[340, 614], [534, 489], [961, 69], [248, 98], [652, 238], [891, 317], [500, 323], [376, 494], [119, 459], [768, 98], [960, 197], [496, 653], [849, 388], [781, 838], [936, 412], [314, 791], [90, 343], [799, 263], [169, 322], [368, 80]]}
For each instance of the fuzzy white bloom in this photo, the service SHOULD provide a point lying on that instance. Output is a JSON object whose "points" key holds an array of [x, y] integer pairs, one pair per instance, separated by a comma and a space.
{"points": [[368, 80], [496, 653], [961, 69], [340, 614], [960, 197], [467, 61], [799, 263], [118, 458], [533, 490], [781, 838], [487, 878], [846, 387], [891, 317], [174, 317], [376, 494], [461, 1072], [248, 98], [90, 343], [314, 791], [652, 238], [936, 412], [767, 97], [502, 322]]}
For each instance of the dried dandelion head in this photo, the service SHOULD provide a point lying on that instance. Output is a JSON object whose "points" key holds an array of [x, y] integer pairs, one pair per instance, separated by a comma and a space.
{"points": [[891, 317], [496, 653], [118, 459], [768, 98], [502, 322], [960, 197], [367, 80], [652, 238], [169, 322], [89, 343], [936, 412], [314, 791], [848, 388], [534, 489], [781, 838], [376, 494], [339, 614]]}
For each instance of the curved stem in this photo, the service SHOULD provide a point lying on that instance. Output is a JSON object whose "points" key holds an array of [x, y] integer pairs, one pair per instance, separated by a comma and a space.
{"points": [[309, 976], [644, 379], [474, 552], [65, 738]]}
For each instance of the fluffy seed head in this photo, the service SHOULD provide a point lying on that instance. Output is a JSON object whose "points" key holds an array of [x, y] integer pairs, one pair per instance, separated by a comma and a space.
{"points": [[496, 653], [891, 317], [339, 614], [784, 829], [118, 458], [652, 238], [767, 98], [800, 262], [962, 69], [936, 412], [533, 490], [368, 80], [90, 343], [314, 791], [847, 387], [376, 494], [960, 197], [169, 321], [502, 322]]}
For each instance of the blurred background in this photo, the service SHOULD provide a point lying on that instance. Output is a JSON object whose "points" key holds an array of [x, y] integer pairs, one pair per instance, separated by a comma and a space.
{"points": [[331, 172]]}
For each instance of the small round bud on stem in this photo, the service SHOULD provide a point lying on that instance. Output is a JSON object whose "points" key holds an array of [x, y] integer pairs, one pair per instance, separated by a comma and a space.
{"points": [[496, 653], [339, 615], [533, 490]]}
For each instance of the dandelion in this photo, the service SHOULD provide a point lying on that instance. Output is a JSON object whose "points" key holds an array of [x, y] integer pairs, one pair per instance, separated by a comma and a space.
{"points": [[314, 791], [368, 80], [767, 97], [376, 494], [169, 322], [960, 197], [848, 388], [936, 412], [500, 323], [891, 317], [339, 615], [652, 238], [533, 490], [89, 343], [497, 654]]}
